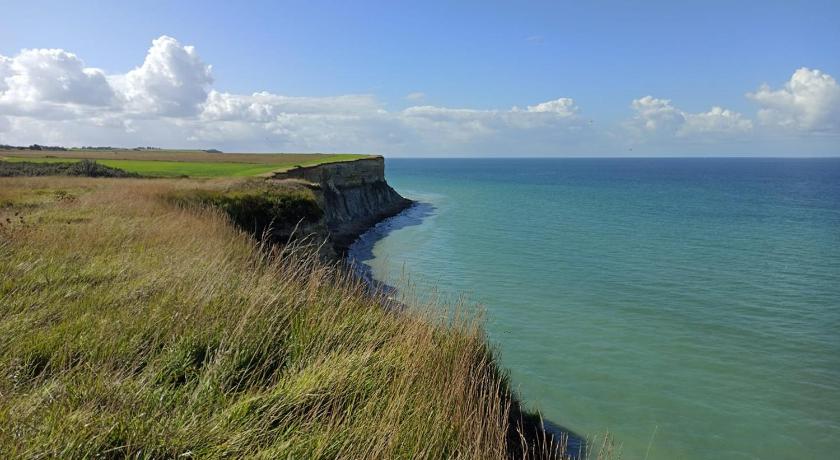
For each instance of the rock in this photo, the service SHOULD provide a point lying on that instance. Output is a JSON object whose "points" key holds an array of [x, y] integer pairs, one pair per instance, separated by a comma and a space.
{"points": [[353, 195]]}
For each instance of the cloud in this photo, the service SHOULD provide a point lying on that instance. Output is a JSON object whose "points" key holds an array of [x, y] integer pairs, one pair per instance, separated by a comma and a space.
{"points": [[543, 122], [809, 102], [361, 123], [451, 126], [542, 128], [51, 96], [718, 121], [659, 117], [172, 81], [267, 121], [415, 96], [5, 72], [55, 84], [264, 106], [564, 107], [49, 82], [654, 114]]}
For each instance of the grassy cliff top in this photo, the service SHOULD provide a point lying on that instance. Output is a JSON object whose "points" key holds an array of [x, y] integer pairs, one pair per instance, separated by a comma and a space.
{"points": [[175, 163], [136, 322]]}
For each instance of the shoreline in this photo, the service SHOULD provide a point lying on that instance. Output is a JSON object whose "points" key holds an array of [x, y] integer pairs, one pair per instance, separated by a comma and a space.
{"points": [[361, 249]]}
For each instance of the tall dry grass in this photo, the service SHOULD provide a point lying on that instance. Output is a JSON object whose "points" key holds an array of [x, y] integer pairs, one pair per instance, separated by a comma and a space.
{"points": [[132, 327]]}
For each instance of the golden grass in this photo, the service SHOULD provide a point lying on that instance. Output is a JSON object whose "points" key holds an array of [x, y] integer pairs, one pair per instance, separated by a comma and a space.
{"points": [[133, 327]]}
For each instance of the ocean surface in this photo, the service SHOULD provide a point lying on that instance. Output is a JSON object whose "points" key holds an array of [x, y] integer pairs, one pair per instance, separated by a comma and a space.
{"points": [[689, 307]]}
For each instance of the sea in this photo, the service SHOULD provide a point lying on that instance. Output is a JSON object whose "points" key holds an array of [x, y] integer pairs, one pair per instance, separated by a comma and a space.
{"points": [[686, 308]]}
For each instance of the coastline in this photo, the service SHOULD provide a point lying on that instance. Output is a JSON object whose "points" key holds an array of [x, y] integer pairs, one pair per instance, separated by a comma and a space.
{"points": [[361, 249], [253, 353], [340, 335], [536, 428]]}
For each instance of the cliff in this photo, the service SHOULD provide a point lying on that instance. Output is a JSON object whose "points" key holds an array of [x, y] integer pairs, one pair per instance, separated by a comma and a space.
{"points": [[352, 194]]}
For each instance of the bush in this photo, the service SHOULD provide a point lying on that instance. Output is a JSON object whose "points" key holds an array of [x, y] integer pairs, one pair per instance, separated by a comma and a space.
{"points": [[258, 208]]}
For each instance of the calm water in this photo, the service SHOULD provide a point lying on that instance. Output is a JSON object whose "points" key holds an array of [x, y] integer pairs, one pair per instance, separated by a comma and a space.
{"points": [[689, 304]]}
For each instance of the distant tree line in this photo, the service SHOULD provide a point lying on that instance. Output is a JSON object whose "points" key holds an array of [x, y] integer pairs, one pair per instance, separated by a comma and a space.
{"points": [[32, 147], [85, 168], [86, 147], [64, 149]]}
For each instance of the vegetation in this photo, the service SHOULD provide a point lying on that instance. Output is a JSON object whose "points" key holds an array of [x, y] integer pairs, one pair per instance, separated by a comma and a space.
{"points": [[177, 163], [134, 323], [31, 147], [86, 168], [256, 206], [176, 168]]}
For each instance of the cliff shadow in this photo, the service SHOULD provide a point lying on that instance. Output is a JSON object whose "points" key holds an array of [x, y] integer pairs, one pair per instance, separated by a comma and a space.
{"points": [[576, 445], [362, 249]]}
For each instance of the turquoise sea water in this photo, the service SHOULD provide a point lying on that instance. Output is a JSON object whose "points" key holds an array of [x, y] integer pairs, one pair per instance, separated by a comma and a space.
{"points": [[689, 305]]}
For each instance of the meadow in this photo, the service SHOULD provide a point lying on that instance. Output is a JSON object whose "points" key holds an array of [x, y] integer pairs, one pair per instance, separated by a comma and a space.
{"points": [[137, 323], [179, 163]]}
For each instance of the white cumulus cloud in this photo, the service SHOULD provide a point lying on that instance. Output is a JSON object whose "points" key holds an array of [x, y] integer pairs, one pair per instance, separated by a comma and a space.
{"points": [[716, 121], [809, 101], [654, 114], [50, 81], [172, 81], [659, 116], [564, 107]]}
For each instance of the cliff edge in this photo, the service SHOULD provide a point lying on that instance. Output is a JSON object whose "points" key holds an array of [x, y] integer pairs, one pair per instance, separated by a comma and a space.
{"points": [[353, 195]]}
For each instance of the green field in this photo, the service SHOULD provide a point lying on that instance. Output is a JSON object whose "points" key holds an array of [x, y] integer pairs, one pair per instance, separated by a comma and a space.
{"points": [[219, 165]]}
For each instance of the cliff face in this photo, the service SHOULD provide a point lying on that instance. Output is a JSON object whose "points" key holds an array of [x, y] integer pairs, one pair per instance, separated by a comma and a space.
{"points": [[353, 195]]}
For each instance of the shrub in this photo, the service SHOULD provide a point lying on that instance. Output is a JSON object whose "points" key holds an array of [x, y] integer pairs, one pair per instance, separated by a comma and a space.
{"points": [[257, 208]]}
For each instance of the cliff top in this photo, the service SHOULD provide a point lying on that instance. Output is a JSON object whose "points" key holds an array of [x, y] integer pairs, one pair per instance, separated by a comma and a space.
{"points": [[176, 163]]}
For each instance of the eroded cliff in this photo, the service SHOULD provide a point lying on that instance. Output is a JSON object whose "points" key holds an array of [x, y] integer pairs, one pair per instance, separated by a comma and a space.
{"points": [[352, 194]]}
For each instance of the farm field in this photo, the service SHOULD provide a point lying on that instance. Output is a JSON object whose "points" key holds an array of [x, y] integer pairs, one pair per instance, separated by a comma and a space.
{"points": [[177, 163]]}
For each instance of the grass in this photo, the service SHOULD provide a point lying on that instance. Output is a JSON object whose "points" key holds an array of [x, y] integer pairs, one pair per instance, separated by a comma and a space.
{"points": [[135, 322], [169, 163]]}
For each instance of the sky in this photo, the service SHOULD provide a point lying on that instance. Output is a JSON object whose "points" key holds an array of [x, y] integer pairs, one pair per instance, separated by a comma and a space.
{"points": [[432, 78]]}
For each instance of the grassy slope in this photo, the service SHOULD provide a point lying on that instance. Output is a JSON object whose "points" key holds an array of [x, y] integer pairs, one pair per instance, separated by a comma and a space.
{"points": [[131, 326], [173, 163]]}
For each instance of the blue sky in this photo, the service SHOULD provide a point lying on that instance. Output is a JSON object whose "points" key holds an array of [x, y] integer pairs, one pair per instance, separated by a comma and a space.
{"points": [[462, 66]]}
